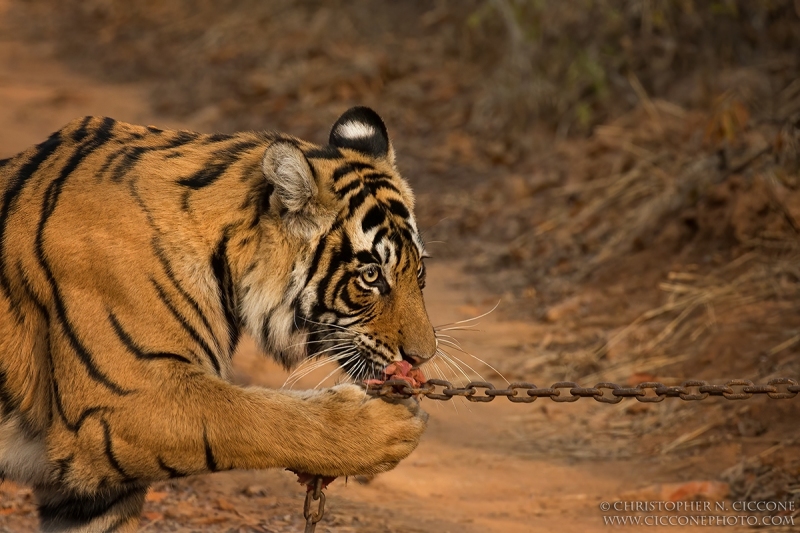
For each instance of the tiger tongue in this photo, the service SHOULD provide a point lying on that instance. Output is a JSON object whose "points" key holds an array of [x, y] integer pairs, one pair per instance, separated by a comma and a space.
{"points": [[397, 369]]}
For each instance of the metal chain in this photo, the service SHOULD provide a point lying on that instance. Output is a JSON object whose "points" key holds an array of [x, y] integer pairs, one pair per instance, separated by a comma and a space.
{"points": [[313, 494], [562, 391], [569, 391]]}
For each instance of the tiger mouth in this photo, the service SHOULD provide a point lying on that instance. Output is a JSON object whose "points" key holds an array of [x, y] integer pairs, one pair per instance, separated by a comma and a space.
{"points": [[362, 369], [355, 358]]}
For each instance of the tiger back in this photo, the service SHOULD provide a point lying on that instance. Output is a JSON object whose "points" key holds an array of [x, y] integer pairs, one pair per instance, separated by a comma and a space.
{"points": [[132, 259]]}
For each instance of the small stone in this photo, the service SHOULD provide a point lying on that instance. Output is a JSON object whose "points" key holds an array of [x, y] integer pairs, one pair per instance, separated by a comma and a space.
{"points": [[253, 491]]}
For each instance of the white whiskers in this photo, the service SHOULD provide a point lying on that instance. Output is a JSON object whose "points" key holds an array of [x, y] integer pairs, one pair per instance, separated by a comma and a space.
{"points": [[461, 372], [487, 313], [351, 354]]}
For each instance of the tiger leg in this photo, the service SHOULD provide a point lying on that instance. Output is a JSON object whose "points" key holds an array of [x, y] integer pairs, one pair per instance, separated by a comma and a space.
{"points": [[112, 510], [198, 423]]}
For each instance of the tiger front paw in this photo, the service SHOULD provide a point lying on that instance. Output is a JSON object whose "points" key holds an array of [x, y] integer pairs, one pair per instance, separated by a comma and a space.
{"points": [[363, 435]]}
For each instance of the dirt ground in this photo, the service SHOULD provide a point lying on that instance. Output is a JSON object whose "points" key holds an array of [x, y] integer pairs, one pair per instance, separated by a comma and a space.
{"points": [[496, 467]]}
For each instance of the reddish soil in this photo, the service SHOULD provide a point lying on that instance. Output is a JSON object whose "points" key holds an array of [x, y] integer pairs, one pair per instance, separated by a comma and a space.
{"points": [[497, 467]]}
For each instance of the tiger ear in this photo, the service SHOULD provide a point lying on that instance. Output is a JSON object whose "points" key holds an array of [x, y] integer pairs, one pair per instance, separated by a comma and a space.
{"points": [[286, 168], [361, 129]]}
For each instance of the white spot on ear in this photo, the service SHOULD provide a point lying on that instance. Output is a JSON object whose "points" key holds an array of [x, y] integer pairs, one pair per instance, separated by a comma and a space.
{"points": [[355, 130]]}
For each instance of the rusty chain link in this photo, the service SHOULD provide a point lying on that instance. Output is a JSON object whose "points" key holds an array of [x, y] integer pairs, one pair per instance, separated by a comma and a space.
{"points": [[569, 391], [313, 494]]}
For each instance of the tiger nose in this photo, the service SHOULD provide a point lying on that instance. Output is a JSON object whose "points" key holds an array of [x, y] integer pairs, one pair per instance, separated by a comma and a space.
{"points": [[413, 357]]}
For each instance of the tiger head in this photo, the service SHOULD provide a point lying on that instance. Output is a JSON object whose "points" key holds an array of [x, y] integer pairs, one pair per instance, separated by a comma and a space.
{"points": [[354, 291]]}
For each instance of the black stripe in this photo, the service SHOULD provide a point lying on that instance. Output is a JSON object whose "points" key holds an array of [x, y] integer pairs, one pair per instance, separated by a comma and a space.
{"points": [[378, 177], [211, 173], [16, 305], [7, 402], [273, 137], [341, 172], [264, 204], [110, 159], [219, 137], [78, 510], [357, 309], [80, 134], [346, 169], [375, 217], [352, 185], [109, 452], [405, 233], [76, 426], [135, 349], [375, 185], [101, 136], [328, 297], [378, 238], [227, 291], [131, 155], [365, 257], [356, 201], [399, 246], [211, 463], [181, 138], [162, 258], [320, 309], [265, 329], [323, 152], [193, 333], [205, 176], [83, 353], [161, 255], [237, 149], [398, 209], [340, 292], [43, 151], [63, 465], [26, 286], [356, 166], [173, 473], [342, 254], [317, 259]]}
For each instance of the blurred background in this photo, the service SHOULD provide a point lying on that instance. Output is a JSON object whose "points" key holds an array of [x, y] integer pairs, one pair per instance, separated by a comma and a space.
{"points": [[624, 175]]}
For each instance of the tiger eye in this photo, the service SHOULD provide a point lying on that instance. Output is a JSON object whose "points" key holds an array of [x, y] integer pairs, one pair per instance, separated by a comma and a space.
{"points": [[370, 274]]}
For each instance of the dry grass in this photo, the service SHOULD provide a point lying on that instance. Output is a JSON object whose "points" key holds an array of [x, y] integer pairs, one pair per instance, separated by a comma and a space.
{"points": [[579, 65], [694, 301]]}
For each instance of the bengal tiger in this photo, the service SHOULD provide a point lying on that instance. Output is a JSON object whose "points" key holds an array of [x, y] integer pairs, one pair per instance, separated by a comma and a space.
{"points": [[132, 259]]}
